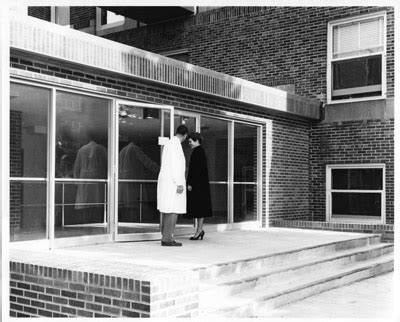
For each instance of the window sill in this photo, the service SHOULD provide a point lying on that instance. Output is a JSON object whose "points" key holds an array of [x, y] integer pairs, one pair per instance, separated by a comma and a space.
{"points": [[357, 220], [354, 100]]}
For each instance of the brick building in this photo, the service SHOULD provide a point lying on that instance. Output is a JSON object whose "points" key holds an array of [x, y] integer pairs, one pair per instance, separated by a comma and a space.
{"points": [[296, 105], [299, 50]]}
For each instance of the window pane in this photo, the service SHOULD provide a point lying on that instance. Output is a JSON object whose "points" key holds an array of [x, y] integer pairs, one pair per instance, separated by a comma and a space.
{"points": [[356, 38], [245, 153], [215, 144], [28, 131], [359, 72], [27, 210], [137, 208], [219, 204], [358, 204], [245, 202], [82, 136], [80, 208], [82, 124], [357, 179], [139, 152]]}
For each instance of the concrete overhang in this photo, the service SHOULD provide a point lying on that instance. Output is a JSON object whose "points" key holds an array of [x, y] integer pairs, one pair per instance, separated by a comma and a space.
{"points": [[46, 39], [151, 14]]}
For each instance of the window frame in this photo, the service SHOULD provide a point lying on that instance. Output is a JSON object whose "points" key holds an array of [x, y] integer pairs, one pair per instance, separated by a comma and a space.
{"points": [[330, 59], [330, 190]]}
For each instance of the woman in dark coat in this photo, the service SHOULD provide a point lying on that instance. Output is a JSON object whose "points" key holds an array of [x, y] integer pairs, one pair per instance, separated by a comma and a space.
{"points": [[198, 186]]}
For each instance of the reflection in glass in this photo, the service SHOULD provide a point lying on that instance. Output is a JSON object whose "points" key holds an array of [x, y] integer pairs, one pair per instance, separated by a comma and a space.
{"points": [[89, 210], [82, 124], [28, 131], [139, 165], [29, 107], [358, 204], [140, 214], [245, 170], [27, 210], [190, 123], [215, 133], [219, 202], [360, 179], [245, 153], [245, 203]]}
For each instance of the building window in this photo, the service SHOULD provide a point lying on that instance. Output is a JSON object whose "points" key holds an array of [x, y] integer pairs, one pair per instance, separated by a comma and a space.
{"points": [[356, 58], [356, 192]]}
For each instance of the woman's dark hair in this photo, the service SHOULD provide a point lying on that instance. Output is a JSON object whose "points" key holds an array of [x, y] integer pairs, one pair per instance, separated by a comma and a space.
{"points": [[196, 136], [182, 130]]}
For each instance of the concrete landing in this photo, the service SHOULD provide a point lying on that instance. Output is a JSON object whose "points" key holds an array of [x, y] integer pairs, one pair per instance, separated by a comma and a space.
{"points": [[149, 257]]}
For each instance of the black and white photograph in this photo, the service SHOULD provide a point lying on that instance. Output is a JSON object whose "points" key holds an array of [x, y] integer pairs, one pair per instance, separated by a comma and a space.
{"points": [[216, 160]]}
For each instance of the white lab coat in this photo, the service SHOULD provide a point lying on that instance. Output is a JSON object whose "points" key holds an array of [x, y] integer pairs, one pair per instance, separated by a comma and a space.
{"points": [[172, 175]]}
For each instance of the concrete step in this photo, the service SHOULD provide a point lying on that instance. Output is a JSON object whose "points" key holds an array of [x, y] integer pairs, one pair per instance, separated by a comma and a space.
{"points": [[272, 260], [255, 279], [255, 302]]}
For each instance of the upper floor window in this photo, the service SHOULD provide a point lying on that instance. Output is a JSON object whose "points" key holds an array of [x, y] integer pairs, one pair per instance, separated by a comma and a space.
{"points": [[356, 58]]}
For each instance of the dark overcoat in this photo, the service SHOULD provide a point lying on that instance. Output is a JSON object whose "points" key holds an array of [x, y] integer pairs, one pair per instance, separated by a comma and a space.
{"points": [[199, 199]]}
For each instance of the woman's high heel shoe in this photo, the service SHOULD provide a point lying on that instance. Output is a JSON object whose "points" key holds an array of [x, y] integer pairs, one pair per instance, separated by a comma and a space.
{"points": [[201, 235]]}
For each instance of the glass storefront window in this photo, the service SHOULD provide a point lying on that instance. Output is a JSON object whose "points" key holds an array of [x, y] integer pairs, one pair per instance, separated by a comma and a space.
{"points": [[29, 108], [28, 131], [82, 135], [215, 145], [245, 173], [27, 210], [82, 185]]}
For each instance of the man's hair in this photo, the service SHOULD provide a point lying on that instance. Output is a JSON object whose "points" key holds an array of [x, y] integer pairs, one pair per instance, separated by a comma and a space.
{"points": [[182, 130], [196, 136]]}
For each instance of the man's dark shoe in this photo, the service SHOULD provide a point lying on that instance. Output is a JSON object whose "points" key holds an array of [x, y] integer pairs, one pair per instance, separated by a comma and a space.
{"points": [[171, 243]]}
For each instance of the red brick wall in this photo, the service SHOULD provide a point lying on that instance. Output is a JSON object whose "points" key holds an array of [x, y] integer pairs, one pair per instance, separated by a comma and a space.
{"points": [[350, 142], [289, 136]]}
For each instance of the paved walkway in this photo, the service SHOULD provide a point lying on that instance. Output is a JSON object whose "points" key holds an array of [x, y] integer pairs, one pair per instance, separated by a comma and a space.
{"points": [[370, 298]]}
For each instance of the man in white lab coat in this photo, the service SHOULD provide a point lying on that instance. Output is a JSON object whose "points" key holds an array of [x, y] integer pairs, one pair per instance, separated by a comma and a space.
{"points": [[171, 186]]}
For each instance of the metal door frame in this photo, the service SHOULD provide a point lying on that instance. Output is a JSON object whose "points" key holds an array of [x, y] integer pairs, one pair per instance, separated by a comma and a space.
{"points": [[114, 175]]}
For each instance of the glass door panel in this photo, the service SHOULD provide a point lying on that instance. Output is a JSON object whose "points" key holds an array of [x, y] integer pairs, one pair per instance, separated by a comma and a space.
{"points": [[81, 165], [245, 172], [29, 112], [138, 167], [215, 144], [190, 121]]}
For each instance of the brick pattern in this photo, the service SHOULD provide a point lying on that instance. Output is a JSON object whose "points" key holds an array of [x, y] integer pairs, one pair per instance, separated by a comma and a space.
{"points": [[281, 45], [43, 13], [350, 142], [37, 290], [80, 17], [287, 138], [16, 170], [387, 231]]}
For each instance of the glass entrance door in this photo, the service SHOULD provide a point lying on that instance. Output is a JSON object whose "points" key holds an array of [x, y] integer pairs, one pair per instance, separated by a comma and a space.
{"points": [[139, 157]]}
